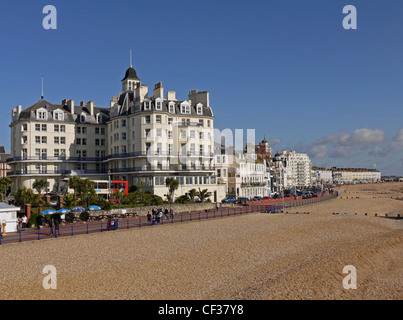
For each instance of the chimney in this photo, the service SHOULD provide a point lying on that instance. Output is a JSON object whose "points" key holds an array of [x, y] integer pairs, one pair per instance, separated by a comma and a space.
{"points": [[91, 106], [82, 104], [159, 91], [64, 102], [171, 95], [200, 97], [70, 106]]}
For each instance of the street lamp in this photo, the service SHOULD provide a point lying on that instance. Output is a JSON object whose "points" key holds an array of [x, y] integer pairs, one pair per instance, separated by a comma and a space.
{"points": [[109, 185]]}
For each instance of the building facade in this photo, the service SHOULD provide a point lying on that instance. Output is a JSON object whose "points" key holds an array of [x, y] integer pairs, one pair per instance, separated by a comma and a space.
{"points": [[141, 139]]}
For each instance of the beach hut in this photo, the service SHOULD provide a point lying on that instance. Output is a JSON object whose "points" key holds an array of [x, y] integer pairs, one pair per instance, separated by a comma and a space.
{"points": [[8, 215]]}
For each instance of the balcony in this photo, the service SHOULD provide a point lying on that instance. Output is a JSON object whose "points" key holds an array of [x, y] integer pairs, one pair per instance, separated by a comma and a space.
{"points": [[52, 159], [163, 168], [45, 172], [159, 154]]}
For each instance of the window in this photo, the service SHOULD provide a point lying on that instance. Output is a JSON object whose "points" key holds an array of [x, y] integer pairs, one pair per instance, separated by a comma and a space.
{"points": [[44, 127], [44, 154], [84, 142], [62, 140], [42, 115], [201, 123], [44, 140], [56, 153], [123, 123], [37, 140], [96, 130], [201, 149], [183, 134], [37, 154], [102, 142], [97, 142], [24, 127], [78, 141], [56, 128], [147, 119], [99, 118], [24, 140], [192, 149], [37, 127], [78, 129], [57, 115], [148, 133], [82, 118], [103, 131], [56, 140], [147, 105], [170, 135], [201, 135], [158, 105], [158, 119], [62, 128], [170, 121], [192, 134], [159, 133], [185, 109], [199, 109], [171, 107], [123, 135]]}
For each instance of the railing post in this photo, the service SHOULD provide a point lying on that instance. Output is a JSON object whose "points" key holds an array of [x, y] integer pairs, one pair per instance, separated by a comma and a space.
{"points": [[20, 235], [72, 230], [87, 228], [181, 217], [102, 229], [39, 235]]}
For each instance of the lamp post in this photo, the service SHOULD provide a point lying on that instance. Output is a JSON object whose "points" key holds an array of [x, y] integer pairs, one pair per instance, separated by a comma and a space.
{"points": [[109, 185]]}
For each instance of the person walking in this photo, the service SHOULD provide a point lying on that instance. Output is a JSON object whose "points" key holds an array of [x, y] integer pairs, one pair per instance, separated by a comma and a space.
{"points": [[24, 221], [57, 229], [166, 213], [149, 217], [50, 223], [171, 214]]}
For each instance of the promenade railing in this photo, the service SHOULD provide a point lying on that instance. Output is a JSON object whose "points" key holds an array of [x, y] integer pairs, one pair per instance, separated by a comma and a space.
{"points": [[105, 225]]}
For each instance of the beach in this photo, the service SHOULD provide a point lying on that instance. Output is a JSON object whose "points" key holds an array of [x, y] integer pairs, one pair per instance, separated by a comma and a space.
{"points": [[256, 256]]}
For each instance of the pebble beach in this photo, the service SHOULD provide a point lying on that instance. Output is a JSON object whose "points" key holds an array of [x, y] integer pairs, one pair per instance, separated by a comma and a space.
{"points": [[256, 256]]}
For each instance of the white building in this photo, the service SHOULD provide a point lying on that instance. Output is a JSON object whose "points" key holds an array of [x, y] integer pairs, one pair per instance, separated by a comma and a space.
{"points": [[294, 169], [140, 138]]}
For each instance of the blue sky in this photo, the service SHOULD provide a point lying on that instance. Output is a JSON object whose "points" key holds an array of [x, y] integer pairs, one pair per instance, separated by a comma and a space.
{"points": [[286, 68]]}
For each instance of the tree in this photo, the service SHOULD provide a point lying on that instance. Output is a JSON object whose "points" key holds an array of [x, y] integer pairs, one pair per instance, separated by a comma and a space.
{"points": [[172, 184], [5, 184], [25, 195], [40, 185], [203, 195], [74, 183], [192, 195], [68, 201], [86, 191]]}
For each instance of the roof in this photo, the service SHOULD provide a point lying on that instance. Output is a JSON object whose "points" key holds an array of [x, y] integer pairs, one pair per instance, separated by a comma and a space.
{"points": [[131, 74], [5, 207]]}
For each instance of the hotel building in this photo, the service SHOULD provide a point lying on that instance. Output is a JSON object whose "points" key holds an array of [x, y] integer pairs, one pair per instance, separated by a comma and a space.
{"points": [[141, 139]]}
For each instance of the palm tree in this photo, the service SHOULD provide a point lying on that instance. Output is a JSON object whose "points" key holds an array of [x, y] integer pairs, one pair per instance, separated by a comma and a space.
{"points": [[172, 184], [192, 195], [40, 185], [203, 194], [74, 183]]}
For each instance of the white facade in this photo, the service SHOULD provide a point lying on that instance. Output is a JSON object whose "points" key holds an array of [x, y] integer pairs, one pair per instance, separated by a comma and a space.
{"points": [[141, 139], [294, 169]]}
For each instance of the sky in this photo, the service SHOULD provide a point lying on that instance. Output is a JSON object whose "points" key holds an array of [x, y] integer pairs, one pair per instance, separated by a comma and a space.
{"points": [[287, 68]]}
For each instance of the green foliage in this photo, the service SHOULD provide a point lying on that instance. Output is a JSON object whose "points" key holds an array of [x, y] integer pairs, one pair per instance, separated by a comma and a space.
{"points": [[192, 195], [39, 186], [25, 195], [83, 190], [172, 184], [203, 195], [183, 199], [5, 184]]}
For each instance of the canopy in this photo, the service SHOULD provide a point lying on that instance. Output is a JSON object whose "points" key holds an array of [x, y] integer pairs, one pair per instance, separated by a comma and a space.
{"points": [[63, 210], [76, 209], [96, 208], [48, 212]]}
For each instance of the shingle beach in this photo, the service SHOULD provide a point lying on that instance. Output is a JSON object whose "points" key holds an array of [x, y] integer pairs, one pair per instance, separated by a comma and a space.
{"points": [[254, 256]]}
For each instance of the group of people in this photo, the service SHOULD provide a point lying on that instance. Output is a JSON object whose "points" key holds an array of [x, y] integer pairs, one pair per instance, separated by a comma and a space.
{"points": [[157, 215]]}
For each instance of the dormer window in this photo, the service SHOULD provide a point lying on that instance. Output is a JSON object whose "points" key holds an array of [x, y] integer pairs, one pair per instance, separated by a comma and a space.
{"points": [[158, 104], [185, 108], [42, 114], [199, 109], [147, 105], [82, 117], [171, 107], [99, 118], [58, 115]]}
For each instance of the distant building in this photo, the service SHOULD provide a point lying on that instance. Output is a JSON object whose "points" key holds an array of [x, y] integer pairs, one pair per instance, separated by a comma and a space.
{"points": [[294, 169], [355, 175], [4, 167]]}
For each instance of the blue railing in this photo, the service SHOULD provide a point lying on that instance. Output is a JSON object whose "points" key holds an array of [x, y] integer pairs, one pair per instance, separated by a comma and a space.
{"points": [[81, 228]]}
